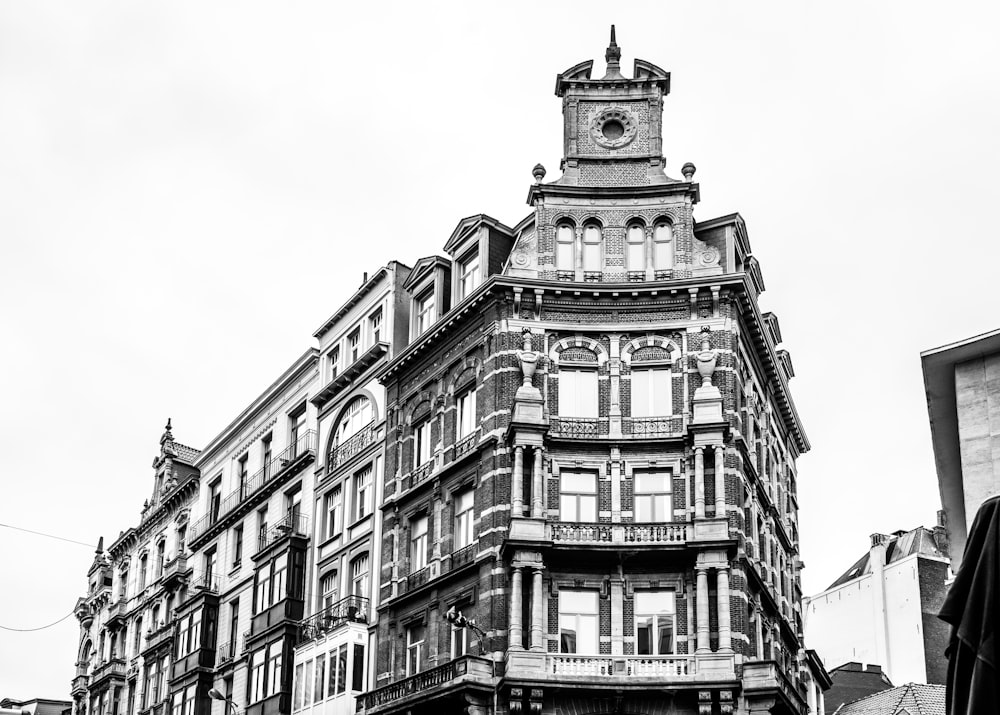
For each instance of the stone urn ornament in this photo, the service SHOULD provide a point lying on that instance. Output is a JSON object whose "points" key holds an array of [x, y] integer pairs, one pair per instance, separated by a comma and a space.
{"points": [[707, 360], [528, 358]]}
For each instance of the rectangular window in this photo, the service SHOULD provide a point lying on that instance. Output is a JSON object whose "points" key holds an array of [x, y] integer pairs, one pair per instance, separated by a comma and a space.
{"points": [[418, 544], [469, 275], [234, 625], [362, 492], [425, 312], [333, 360], [651, 392], [320, 680], [422, 443], [298, 431], [261, 525], [354, 345], [459, 641], [652, 497], [189, 700], [274, 669], [332, 504], [215, 499], [242, 474], [375, 326], [263, 592], [143, 567], [279, 583], [237, 545], [211, 567], [341, 669], [266, 454], [654, 622], [298, 689], [123, 584], [577, 393], [578, 496], [358, 674], [464, 510], [578, 622], [161, 557], [359, 576], [465, 420], [414, 648]]}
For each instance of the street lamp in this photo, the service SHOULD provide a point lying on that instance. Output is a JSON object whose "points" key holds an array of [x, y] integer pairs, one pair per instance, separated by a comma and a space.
{"points": [[216, 695], [456, 618]]}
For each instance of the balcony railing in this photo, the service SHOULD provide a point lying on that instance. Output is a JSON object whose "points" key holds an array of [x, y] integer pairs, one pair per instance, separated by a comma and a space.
{"points": [[342, 453], [578, 427], [352, 609], [418, 578], [80, 683], [289, 524], [206, 582], [627, 533], [466, 667], [463, 556], [161, 635], [466, 444], [110, 667], [420, 473], [652, 426], [628, 665], [174, 568], [225, 653], [304, 445]]}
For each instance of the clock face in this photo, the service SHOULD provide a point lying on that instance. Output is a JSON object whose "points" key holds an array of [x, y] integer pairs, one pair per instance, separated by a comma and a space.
{"points": [[613, 128]]}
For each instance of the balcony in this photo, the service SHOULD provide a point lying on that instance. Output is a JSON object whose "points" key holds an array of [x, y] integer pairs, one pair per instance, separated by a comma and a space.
{"points": [[463, 556], [224, 654], [343, 453], [420, 474], [590, 534], [418, 578], [764, 677], [291, 524], [652, 427], [352, 609], [208, 583], [79, 686], [452, 675], [620, 670], [297, 454], [109, 669], [164, 635], [466, 445], [116, 613], [578, 427], [175, 571]]}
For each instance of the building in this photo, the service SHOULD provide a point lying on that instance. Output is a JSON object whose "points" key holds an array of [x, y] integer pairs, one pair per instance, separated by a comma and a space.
{"points": [[336, 639], [854, 681], [123, 657], [590, 484], [962, 382], [909, 699], [884, 608], [35, 706]]}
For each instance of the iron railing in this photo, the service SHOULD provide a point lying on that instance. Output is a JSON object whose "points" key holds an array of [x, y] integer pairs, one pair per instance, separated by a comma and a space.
{"points": [[207, 582], [466, 665], [304, 445], [421, 473], [463, 556], [578, 427], [651, 426], [418, 578], [225, 653], [291, 523], [352, 609], [342, 453], [466, 444]]}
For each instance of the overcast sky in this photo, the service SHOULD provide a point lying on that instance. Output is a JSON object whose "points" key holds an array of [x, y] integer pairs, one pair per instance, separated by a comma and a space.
{"points": [[188, 189]]}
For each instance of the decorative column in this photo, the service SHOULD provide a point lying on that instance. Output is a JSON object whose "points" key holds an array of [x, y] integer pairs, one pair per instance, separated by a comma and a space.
{"points": [[537, 615], [720, 481], [699, 482], [517, 483], [722, 591], [537, 482], [516, 636], [702, 609]]}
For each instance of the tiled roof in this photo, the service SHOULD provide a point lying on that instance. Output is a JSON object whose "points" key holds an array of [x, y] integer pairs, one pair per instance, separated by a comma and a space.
{"points": [[912, 698], [185, 453]]}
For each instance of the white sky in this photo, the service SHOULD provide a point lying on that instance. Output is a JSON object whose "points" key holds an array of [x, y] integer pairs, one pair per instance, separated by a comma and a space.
{"points": [[187, 190]]}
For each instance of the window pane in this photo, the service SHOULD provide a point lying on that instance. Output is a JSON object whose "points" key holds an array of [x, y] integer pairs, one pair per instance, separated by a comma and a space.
{"points": [[640, 393], [591, 248], [564, 248], [659, 391], [567, 508], [647, 482], [579, 482], [663, 247], [644, 635], [358, 675], [665, 635], [652, 602], [342, 669], [636, 253], [567, 634], [578, 393], [588, 509]]}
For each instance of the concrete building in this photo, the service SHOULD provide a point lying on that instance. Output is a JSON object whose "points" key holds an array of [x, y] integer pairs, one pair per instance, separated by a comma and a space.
{"points": [[962, 382], [590, 484], [35, 706], [884, 608]]}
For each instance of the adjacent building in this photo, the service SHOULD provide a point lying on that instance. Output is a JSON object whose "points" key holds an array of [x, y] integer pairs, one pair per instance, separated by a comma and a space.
{"points": [[883, 609], [962, 383]]}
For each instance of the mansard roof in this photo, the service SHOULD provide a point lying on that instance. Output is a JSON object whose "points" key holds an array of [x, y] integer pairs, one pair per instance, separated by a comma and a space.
{"points": [[471, 223]]}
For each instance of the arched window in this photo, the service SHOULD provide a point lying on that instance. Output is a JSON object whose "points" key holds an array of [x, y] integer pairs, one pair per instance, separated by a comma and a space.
{"points": [[635, 248], [358, 415], [663, 246], [592, 248], [565, 255]]}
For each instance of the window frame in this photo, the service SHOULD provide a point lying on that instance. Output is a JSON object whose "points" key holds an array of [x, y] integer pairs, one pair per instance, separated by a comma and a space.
{"points": [[419, 542], [630, 244], [424, 311], [661, 244], [656, 518], [469, 272], [655, 368], [577, 496], [465, 413], [423, 442], [414, 648], [464, 520], [576, 614], [658, 595], [576, 389], [565, 247], [592, 258]]}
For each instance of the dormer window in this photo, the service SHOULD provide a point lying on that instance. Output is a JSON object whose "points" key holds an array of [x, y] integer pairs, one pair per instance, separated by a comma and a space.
{"points": [[592, 248], [425, 312], [565, 255], [635, 249], [663, 246], [469, 275]]}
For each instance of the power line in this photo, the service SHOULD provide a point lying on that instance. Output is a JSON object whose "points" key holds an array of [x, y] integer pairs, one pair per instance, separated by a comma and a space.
{"points": [[41, 628], [51, 536]]}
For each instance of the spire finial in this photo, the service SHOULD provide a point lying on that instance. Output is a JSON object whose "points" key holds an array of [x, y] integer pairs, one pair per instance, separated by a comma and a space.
{"points": [[100, 546], [612, 56]]}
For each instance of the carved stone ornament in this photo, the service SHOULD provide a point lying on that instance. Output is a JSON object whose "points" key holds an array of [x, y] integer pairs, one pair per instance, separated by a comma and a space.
{"points": [[613, 128], [528, 358]]}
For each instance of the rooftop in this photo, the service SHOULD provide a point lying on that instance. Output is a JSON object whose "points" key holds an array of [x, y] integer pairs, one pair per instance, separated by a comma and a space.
{"points": [[900, 545], [912, 698]]}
